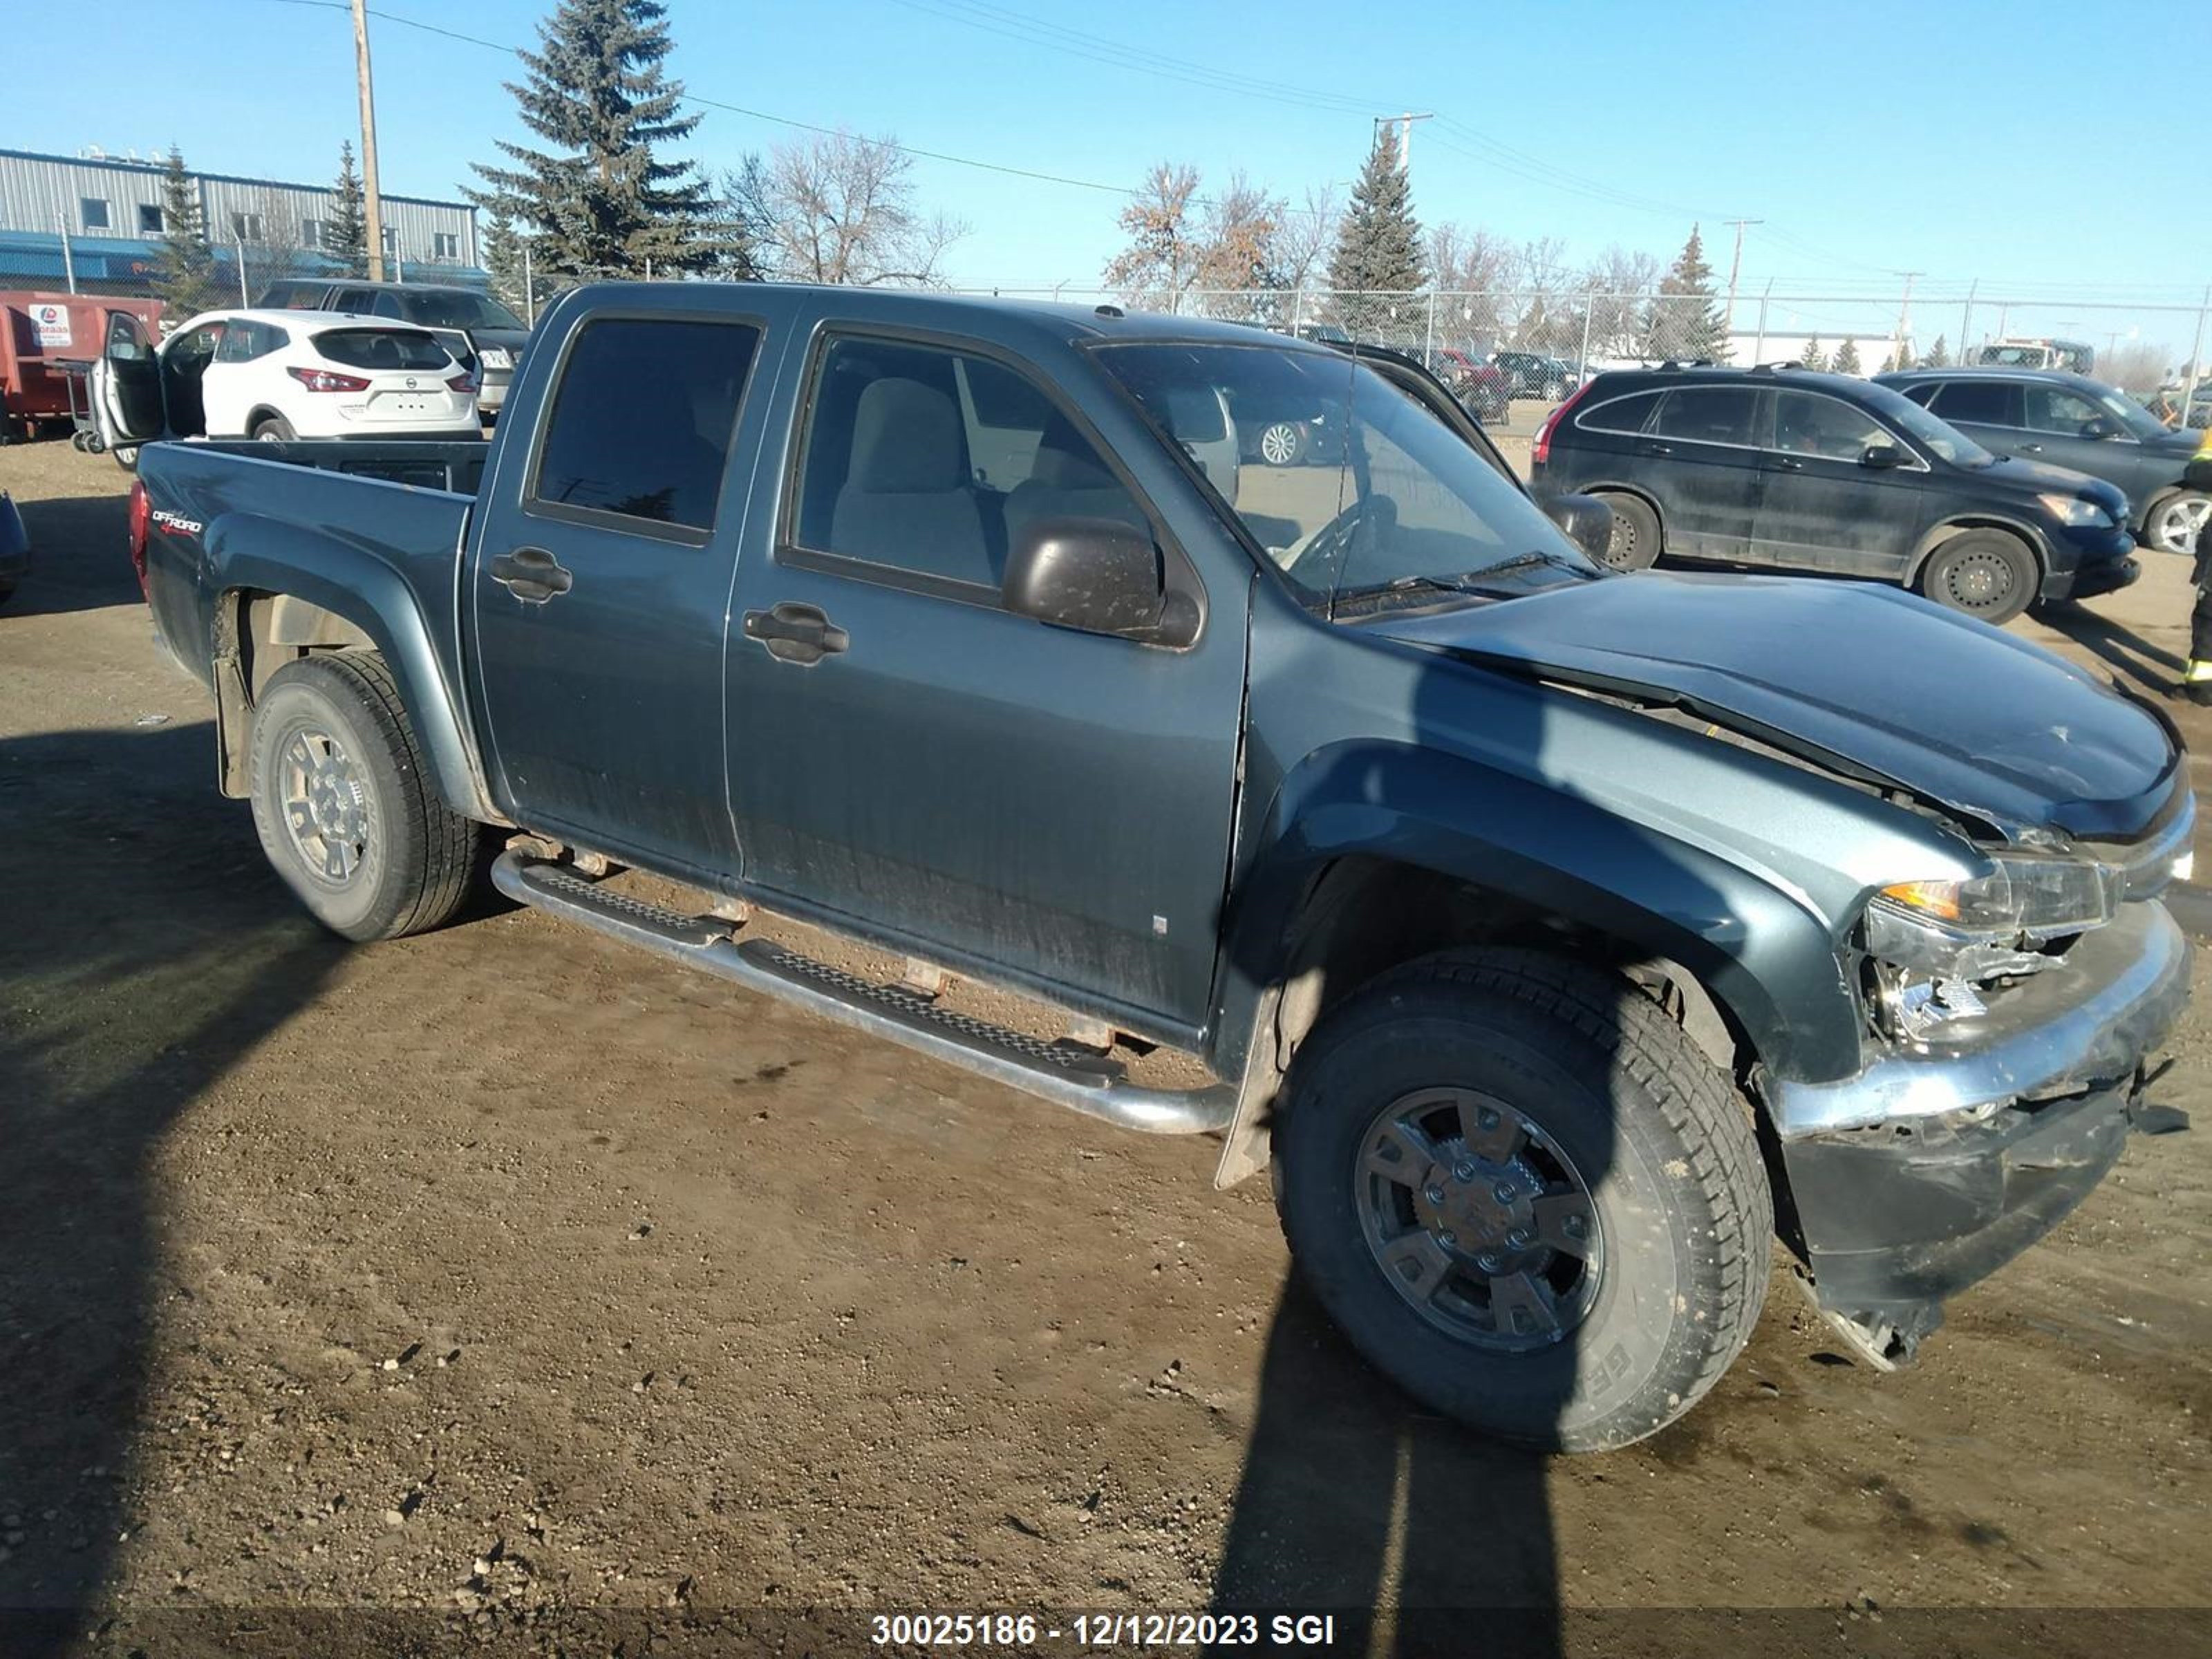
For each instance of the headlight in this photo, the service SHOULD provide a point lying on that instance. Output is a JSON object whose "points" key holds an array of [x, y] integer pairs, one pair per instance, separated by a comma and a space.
{"points": [[2076, 512], [2023, 895]]}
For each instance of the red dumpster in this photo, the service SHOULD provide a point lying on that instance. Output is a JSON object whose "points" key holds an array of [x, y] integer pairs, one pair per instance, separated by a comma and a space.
{"points": [[38, 331]]}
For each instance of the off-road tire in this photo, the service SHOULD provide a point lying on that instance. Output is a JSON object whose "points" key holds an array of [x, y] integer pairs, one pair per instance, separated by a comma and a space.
{"points": [[1953, 574], [418, 855], [1675, 1180], [1636, 540]]}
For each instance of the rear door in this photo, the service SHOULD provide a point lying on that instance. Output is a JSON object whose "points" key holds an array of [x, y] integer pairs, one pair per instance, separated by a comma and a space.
{"points": [[1821, 507], [601, 581], [1992, 413], [1699, 457]]}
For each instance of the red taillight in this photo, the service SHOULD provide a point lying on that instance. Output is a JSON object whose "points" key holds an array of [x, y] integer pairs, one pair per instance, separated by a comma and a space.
{"points": [[464, 384], [1540, 451], [141, 522], [323, 379]]}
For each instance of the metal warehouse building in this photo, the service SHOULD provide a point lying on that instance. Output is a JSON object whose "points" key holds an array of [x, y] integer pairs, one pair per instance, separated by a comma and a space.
{"points": [[91, 223]]}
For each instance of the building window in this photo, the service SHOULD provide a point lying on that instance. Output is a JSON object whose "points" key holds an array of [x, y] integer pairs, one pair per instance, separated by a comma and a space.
{"points": [[311, 233], [391, 239], [149, 219], [92, 212], [446, 245], [246, 226]]}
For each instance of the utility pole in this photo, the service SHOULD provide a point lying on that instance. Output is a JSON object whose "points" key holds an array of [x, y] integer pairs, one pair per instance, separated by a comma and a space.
{"points": [[1405, 126], [373, 203], [1736, 264], [1904, 317]]}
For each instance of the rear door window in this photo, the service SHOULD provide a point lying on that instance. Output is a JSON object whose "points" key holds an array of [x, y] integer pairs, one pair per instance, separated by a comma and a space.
{"points": [[1630, 414], [390, 350], [641, 420], [1708, 414], [1979, 402]]}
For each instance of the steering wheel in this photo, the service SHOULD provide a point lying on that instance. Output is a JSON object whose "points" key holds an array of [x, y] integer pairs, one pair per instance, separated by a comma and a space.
{"points": [[1327, 552]]}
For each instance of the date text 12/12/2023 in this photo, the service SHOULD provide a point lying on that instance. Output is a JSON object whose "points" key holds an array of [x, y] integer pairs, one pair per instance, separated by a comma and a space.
{"points": [[1103, 1630]]}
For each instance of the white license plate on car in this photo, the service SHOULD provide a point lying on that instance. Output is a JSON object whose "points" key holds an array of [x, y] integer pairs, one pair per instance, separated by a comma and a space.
{"points": [[401, 403]]}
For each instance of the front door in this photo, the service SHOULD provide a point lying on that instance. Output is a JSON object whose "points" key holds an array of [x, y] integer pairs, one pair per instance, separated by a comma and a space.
{"points": [[910, 759], [1822, 507], [125, 389], [600, 584]]}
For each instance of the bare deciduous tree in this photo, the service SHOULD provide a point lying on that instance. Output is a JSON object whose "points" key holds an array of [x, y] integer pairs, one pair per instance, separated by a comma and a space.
{"points": [[1160, 264], [1306, 236], [1617, 281], [1225, 245], [2135, 366], [839, 208]]}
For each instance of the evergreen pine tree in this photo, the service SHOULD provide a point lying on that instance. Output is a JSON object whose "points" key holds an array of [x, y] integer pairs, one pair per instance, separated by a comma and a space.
{"points": [[1939, 355], [1377, 261], [1686, 322], [1847, 358], [345, 233], [184, 267], [600, 201], [1813, 356], [512, 274]]}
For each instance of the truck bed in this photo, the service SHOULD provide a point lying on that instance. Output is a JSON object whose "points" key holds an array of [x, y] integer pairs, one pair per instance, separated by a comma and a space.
{"points": [[455, 464]]}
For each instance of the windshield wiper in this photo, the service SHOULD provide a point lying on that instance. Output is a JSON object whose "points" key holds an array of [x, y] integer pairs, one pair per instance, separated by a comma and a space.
{"points": [[1472, 581], [1534, 557]]}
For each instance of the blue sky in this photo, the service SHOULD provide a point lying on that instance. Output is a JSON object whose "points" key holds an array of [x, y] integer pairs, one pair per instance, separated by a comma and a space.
{"points": [[2011, 143]]}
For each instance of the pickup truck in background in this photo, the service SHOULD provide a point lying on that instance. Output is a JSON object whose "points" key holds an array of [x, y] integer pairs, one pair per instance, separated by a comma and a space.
{"points": [[1559, 937]]}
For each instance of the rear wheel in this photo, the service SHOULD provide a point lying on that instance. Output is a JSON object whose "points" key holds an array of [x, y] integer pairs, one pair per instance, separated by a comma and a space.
{"points": [[1526, 1196], [1636, 540], [344, 805], [274, 429], [1983, 573]]}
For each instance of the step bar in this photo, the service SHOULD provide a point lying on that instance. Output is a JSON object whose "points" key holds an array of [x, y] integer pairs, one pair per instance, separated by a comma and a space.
{"points": [[1063, 1073]]}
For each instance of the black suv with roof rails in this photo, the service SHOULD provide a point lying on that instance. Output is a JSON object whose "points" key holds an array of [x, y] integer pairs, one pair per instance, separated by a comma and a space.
{"points": [[1788, 470]]}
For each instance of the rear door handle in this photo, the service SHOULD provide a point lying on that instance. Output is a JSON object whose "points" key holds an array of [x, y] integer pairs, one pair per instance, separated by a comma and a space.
{"points": [[795, 632], [1658, 449], [1785, 463], [2031, 449], [532, 575]]}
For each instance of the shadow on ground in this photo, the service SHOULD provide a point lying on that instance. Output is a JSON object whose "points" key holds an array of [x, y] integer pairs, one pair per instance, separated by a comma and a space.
{"points": [[2151, 669], [148, 947], [80, 556]]}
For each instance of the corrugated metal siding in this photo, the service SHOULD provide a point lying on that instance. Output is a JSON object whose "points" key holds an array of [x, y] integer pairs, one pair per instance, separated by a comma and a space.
{"points": [[43, 195]]}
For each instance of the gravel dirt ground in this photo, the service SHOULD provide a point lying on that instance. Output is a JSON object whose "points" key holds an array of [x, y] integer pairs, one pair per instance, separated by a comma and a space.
{"points": [[502, 1286]]}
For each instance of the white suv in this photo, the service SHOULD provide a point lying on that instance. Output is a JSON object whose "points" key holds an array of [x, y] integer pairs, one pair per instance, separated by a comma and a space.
{"points": [[280, 374]]}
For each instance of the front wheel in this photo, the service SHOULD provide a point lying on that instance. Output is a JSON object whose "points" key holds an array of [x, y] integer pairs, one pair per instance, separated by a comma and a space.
{"points": [[2173, 524], [344, 805], [1282, 442], [1983, 573], [1525, 1196]]}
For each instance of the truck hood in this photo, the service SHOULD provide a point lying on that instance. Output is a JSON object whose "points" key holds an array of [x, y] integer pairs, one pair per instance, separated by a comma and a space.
{"points": [[1874, 681]]}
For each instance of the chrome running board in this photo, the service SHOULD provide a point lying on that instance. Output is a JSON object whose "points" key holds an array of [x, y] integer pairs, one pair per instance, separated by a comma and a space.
{"points": [[1063, 1073]]}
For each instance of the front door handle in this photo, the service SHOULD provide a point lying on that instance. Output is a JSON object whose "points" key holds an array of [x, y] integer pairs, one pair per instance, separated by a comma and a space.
{"points": [[1786, 463], [2031, 449], [795, 632], [532, 575], [1658, 449]]}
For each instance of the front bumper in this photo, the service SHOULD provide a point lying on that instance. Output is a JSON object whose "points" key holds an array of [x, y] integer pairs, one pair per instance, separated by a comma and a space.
{"points": [[2084, 1024], [2099, 563], [1929, 1170]]}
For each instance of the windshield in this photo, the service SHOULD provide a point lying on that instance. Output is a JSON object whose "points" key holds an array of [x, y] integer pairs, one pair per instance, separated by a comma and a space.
{"points": [[458, 311], [1351, 488], [1940, 439]]}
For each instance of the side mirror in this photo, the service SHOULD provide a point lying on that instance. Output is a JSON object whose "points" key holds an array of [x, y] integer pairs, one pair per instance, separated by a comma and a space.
{"points": [[1102, 575], [1882, 457], [1587, 520]]}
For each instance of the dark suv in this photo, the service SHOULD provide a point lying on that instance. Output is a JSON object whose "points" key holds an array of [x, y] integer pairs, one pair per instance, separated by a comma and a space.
{"points": [[2070, 420], [1790, 469], [1531, 375], [485, 337]]}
